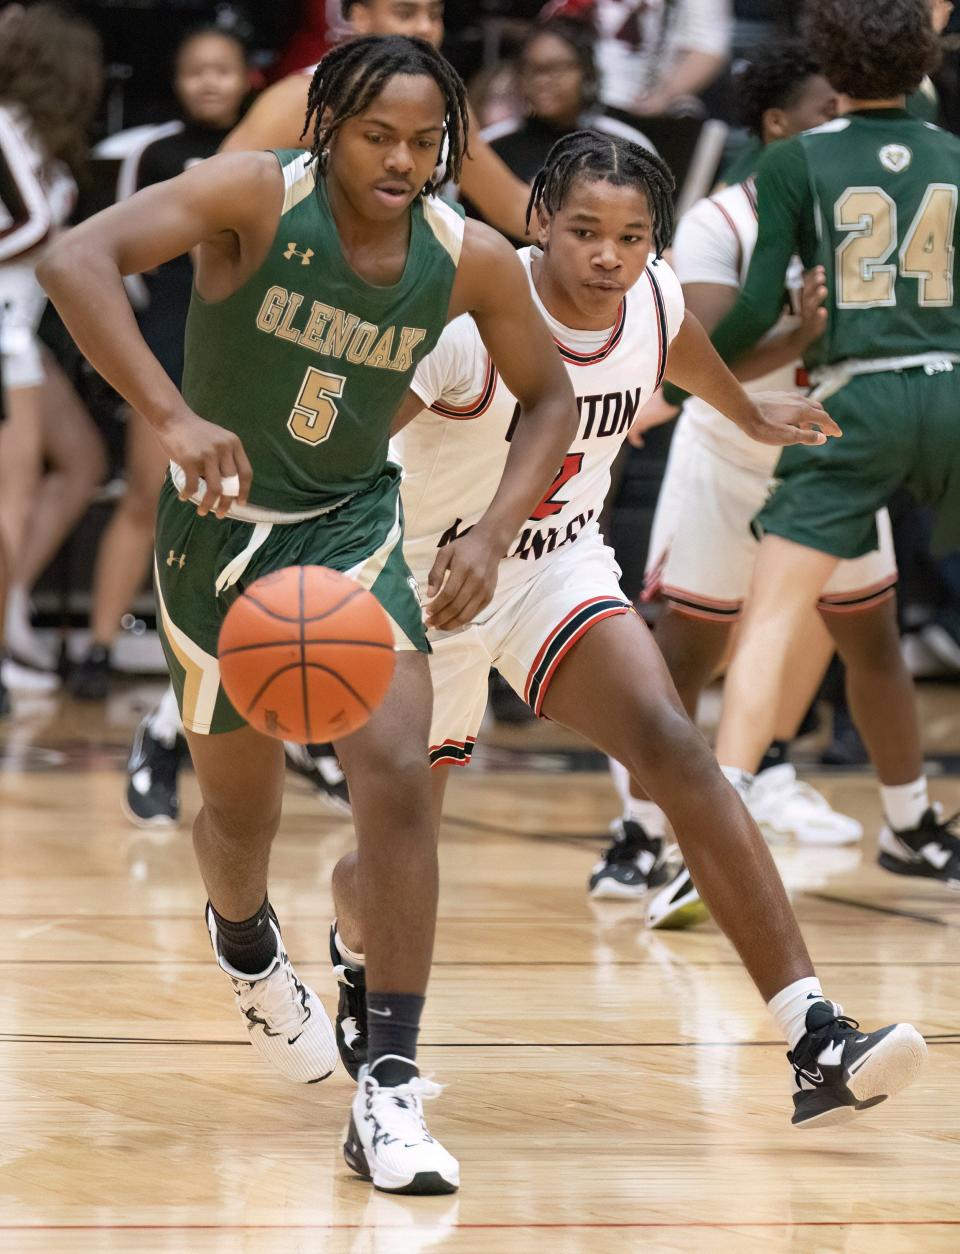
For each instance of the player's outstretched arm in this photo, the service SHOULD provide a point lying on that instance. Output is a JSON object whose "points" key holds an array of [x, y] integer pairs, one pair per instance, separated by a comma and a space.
{"points": [[493, 187], [492, 286], [274, 120], [771, 418], [210, 205]]}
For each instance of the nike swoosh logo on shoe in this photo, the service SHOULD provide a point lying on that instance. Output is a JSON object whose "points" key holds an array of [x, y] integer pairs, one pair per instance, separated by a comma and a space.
{"points": [[385, 1014], [813, 1077]]}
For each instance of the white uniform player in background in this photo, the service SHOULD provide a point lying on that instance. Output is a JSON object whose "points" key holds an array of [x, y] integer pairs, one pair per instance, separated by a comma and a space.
{"points": [[558, 626], [702, 549]]}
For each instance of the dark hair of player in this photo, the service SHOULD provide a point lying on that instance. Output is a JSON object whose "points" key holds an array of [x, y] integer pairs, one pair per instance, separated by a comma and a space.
{"points": [[773, 78], [204, 30], [350, 78], [581, 38], [606, 159], [872, 51]]}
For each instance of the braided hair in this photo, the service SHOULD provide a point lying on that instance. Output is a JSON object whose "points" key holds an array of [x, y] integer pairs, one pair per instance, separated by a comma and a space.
{"points": [[350, 77], [603, 158]]}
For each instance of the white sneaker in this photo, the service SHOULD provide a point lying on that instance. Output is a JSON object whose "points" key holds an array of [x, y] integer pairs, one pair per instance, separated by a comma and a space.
{"points": [[783, 806], [677, 905], [388, 1143], [287, 1023]]}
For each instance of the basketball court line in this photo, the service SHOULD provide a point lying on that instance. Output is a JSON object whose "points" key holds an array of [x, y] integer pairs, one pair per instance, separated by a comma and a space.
{"points": [[878, 909], [708, 1225]]}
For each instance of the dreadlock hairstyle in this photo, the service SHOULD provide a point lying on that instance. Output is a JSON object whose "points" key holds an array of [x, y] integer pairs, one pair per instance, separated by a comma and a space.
{"points": [[606, 159], [350, 77]]}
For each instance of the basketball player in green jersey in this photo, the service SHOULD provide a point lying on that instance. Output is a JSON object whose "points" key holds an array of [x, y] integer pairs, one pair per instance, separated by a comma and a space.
{"points": [[276, 117], [871, 199], [322, 278]]}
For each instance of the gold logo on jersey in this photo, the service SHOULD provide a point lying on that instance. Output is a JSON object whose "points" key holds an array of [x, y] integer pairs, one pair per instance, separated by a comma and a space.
{"points": [[895, 157], [176, 559], [291, 251]]}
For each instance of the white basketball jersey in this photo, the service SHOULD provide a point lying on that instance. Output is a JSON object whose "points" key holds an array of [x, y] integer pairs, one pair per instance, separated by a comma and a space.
{"points": [[454, 453], [714, 244]]}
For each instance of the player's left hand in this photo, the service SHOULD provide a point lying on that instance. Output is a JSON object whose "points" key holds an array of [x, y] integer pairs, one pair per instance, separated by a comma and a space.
{"points": [[462, 581], [784, 418]]}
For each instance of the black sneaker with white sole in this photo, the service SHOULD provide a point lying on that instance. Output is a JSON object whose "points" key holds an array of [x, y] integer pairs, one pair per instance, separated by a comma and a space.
{"points": [[930, 850], [677, 904], [351, 1024], [632, 865], [839, 1070], [153, 768], [320, 765]]}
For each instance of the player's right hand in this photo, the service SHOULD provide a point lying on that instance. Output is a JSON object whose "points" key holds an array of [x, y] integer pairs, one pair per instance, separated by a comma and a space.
{"points": [[205, 451]]}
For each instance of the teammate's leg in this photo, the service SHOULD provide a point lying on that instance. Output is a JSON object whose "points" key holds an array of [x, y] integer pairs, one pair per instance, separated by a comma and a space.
{"points": [[613, 687], [693, 649]]}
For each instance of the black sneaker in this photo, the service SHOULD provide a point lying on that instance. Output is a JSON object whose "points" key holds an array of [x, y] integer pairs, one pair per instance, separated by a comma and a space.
{"points": [[151, 798], [90, 678], [320, 765], [351, 1024], [839, 1070], [633, 864], [5, 706], [931, 849]]}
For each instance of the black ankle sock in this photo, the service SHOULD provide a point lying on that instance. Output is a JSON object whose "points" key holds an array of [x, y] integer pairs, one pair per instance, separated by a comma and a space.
{"points": [[249, 946], [777, 753], [393, 1025]]}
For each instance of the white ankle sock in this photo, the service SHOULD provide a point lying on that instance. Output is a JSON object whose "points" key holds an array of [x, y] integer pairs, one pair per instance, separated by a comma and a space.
{"points": [[789, 1007], [165, 723], [648, 814], [620, 777], [740, 779], [355, 960], [904, 804]]}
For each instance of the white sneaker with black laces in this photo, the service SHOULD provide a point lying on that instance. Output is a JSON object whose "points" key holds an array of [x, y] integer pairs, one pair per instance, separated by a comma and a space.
{"points": [[931, 850], [783, 805], [632, 865], [285, 1019], [839, 1070], [677, 905], [387, 1140]]}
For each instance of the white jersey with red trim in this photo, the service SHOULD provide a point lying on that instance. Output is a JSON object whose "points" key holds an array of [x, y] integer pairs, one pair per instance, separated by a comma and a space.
{"points": [[37, 194], [715, 242], [454, 453]]}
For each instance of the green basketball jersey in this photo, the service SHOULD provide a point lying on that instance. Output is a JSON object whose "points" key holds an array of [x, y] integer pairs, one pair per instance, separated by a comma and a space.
{"points": [[872, 197], [307, 362]]}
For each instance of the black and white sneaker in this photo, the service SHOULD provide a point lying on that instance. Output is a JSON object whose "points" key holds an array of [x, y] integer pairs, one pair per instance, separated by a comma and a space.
{"points": [[151, 798], [388, 1142], [930, 850], [320, 765], [351, 1025], [632, 865], [677, 904], [5, 706], [839, 1070], [285, 1019]]}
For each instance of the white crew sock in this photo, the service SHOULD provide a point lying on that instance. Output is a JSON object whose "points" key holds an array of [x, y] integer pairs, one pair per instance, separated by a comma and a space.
{"points": [[789, 1007], [621, 779], [740, 779], [165, 724], [350, 958], [904, 805], [648, 814]]}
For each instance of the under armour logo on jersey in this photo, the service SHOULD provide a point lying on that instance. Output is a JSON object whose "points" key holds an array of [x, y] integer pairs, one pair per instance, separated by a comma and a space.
{"points": [[176, 559], [291, 251], [895, 158]]}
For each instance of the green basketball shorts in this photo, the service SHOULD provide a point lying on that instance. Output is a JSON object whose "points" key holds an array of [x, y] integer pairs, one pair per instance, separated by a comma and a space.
{"points": [[901, 428], [203, 564]]}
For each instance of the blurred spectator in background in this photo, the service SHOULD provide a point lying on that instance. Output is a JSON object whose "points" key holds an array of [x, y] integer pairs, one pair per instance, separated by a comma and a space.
{"points": [[211, 81], [50, 83], [655, 55], [558, 85]]}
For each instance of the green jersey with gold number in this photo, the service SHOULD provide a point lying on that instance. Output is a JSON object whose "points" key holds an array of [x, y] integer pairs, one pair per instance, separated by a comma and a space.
{"points": [[872, 197], [307, 362]]}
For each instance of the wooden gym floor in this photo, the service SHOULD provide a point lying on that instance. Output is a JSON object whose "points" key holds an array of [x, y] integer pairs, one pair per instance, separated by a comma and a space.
{"points": [[609, 1089]]}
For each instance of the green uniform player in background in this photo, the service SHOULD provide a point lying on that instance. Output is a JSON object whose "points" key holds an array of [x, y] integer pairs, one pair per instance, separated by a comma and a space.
{"points": [[870, 202], [321, 279]]}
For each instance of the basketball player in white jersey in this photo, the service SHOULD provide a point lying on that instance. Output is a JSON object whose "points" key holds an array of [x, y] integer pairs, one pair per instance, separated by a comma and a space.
{"points": [[559, 628], [702, 549]]}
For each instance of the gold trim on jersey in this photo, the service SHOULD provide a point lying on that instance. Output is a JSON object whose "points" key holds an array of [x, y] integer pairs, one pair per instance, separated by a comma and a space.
{"points": [[201, 670], [446, 225], [299, 180]]}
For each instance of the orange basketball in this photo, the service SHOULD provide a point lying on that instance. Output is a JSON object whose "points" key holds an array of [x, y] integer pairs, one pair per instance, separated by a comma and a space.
{"points": [[306, 654]]}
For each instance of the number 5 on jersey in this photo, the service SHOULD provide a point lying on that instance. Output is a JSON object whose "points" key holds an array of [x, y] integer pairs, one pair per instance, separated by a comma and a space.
{"points": [[312, 417]]}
